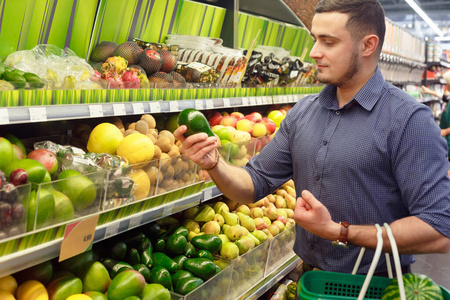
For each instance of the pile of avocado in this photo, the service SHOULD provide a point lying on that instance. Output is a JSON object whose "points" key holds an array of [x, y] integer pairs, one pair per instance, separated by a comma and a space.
{"points": [[20, 79]]}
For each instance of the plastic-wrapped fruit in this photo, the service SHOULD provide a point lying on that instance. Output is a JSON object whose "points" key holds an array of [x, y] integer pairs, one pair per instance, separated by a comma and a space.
{"points": [[9, 193], [169, 61], [162, 80], [103, 50], [17, 211], [150, 60], [178, 79]]}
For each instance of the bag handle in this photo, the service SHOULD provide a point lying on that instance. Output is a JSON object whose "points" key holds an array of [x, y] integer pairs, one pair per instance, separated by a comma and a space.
{"points": [[375, 260]]}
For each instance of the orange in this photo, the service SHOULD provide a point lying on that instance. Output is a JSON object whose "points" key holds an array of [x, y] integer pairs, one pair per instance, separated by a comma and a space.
{"points": [[141, 183], [8, 284], [4, 295], [32, 290], [79, 297], [104, 138]]}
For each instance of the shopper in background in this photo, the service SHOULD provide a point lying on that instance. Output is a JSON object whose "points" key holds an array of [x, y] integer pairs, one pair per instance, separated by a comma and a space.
{"points": [[445, 117], [361, 151]]}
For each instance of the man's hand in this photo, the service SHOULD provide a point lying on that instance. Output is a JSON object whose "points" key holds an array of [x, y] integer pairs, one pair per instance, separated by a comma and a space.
{"points": [[198, 147], [313, 216]]}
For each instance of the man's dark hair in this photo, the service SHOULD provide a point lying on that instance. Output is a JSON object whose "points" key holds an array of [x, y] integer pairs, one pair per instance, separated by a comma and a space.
{"points": [[364, 17]]}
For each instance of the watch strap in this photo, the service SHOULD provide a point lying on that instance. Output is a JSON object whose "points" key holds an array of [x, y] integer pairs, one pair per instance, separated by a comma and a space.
{"points": [[342, 241]]}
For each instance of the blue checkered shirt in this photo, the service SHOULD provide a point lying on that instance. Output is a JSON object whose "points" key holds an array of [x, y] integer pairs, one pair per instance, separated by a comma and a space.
{"points": [[377, 159]]}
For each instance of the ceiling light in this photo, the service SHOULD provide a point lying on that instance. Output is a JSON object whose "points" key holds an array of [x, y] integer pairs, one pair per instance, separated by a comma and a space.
{"points": [[424, 16], [442, 38]]}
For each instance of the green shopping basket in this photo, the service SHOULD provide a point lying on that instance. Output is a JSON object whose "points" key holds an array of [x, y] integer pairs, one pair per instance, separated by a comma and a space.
{"points": [[338, 286]]}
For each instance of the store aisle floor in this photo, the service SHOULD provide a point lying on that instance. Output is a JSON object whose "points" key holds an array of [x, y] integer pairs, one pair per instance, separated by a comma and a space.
{"points": [[435, 266]]}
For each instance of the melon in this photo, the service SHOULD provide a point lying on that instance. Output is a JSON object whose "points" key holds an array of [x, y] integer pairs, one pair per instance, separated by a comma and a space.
{"points": [[417, 287]]}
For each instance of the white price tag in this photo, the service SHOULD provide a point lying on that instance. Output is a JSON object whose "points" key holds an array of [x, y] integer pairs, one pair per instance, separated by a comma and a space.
{"points": [[285, 99], [4, 116], [38, 114], [155, 107], [252, 101], [226, 102], [291, 98], [119, 109], [135, 221], [208, 194], [95, 111], [259, 100], [111, 230], [173, 106], [209, 104], [168, 209], [244, 101], [198, 104], [138, 108]]}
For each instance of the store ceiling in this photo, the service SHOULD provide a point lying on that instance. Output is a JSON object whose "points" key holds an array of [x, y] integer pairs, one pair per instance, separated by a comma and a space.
{"points": [[401, 13]]}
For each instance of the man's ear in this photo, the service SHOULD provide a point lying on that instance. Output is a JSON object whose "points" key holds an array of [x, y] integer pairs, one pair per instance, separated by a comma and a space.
{"points": [[369, 44]]}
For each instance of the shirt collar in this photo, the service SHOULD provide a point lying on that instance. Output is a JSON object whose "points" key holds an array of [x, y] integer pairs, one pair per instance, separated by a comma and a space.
{"points": [[367, 96]]}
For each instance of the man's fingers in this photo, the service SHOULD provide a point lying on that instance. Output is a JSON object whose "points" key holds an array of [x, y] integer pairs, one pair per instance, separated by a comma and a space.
{"points": [[179, 133], [309, 199]]}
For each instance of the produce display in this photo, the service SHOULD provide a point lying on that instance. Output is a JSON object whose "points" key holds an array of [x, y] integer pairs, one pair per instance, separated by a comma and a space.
{"points": [[417, 286]]}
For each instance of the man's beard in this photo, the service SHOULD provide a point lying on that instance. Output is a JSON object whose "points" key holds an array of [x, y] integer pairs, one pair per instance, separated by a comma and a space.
{"points": [[353, 69]]}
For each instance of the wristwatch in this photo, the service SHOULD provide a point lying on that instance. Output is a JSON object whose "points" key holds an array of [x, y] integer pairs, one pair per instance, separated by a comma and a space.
{"points": [[342, 241]]}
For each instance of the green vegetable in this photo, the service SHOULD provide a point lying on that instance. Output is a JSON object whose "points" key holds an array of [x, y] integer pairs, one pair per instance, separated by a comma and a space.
{"points": [[15, 79], [152, 231], [201, 267], [205, 254], [187, 285], [114, 267], [190, 250], [160, 245], [34, 80], [119, 251], [133, 256], [162, 276], [144, 270], [180, 274], [179, 260], [176, 244], [161, 259], [417, 287], [195, 122], [145, 244], [146, 257], [210, 242]]}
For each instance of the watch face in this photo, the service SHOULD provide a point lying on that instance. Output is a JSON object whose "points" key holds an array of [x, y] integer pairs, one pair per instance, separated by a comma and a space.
{"points": [[339, 244]]}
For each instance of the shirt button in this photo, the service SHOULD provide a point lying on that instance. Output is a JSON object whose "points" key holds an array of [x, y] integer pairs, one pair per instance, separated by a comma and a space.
{"points": [[317, 178], [338, 112], [325, 143]]}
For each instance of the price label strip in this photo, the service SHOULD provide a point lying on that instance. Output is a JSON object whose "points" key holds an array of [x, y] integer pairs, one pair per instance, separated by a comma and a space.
{"points": [[173, 106], [95, 111], [135, 221], [226, 102], [155, 107], [209, 104], [38, 114], [112, 229], [244, 101], [78, 237], [138, 108], [4, 116], [198, 104], [119, 109], [168, 209], [252, 101], [208, 194]]}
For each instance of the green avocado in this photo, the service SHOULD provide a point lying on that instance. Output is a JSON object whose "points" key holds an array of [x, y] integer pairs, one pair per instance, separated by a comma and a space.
{"points": [[200, 267], [210, 242], [162, 276], [195, 122]]}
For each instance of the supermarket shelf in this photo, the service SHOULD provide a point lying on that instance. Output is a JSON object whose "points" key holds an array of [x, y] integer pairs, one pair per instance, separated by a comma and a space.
{"points": [[270, 280], [210, 193], [21, 260], [442, 62]]}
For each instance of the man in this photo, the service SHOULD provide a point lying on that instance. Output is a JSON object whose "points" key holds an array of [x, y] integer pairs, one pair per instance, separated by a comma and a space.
{"points": [[361, 151]]}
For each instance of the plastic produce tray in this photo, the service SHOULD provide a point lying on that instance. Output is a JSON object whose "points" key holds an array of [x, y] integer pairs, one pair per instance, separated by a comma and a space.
{"points": [[280, 249]]}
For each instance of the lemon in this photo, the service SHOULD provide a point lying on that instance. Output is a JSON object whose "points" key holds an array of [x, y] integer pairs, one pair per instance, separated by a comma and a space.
{"points": [[136, 148], [4, 295], [141, 183], [32, 290], [8, 284], [79, 297], [104, 138]]}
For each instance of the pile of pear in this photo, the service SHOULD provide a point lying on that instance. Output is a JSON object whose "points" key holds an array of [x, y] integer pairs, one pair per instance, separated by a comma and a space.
{"points": [[243, 227]]}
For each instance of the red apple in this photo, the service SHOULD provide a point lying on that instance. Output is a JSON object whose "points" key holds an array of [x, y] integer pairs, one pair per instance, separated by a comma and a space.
{"points": [[215, 118], [252, 118], [257, 115], [45, 157], [283, 111], [228, 121], [18, 177], [237, 115], [270, 125]]}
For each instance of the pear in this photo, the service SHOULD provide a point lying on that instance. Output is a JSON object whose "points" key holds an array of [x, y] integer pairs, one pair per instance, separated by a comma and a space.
{"points": [[229, 250], [260, 223], [256, 212], [271, 212], [244, 245], [289, 212], [260, 235], [280, 202], [230, 218], [252, 237], [279, 224], [224, 238], [243, 209], [290, 222], [221, 263], [191, 234], [282, 212], [191, 212], [268, 221], [271, 198], [191, 225], [273, 229], [219, 219], [251, 240], [211, 227], [235, 232], [205, 215], [268, 233], [290, 201], [291, 191], [220, 206], [246, 221], [225, 228]]}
